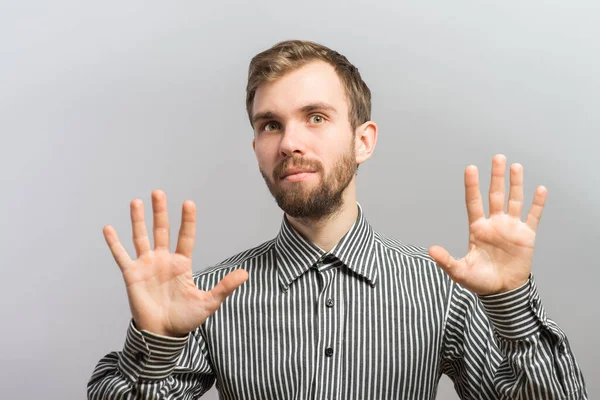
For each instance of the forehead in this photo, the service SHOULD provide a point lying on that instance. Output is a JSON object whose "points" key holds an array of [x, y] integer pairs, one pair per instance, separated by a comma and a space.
{"points": [[314, 82]]}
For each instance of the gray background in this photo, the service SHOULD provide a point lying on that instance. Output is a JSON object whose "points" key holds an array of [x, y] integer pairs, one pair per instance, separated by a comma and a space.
{"points": [[103, 102]]}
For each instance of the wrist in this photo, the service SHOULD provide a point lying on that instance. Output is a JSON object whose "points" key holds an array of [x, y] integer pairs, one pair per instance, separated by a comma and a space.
{"points": [[507, 288], [158, 331], [516, 314]]}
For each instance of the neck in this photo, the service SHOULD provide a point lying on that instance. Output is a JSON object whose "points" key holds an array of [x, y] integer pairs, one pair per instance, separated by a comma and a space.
{"points": [[326, 232]]}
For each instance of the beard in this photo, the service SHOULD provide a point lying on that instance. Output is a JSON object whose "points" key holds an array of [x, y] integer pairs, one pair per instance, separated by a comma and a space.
{"points": [[299, 201]]}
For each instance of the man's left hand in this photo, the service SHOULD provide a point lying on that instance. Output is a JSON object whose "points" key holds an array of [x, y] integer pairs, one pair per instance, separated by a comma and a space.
{"points": [[500, 246]]}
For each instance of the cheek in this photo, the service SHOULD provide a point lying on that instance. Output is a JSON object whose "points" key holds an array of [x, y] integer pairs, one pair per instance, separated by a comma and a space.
{"points": [[336, 154], [264, 157]]}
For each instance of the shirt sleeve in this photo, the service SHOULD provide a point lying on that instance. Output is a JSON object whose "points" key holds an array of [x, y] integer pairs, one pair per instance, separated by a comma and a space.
{"points": [[152, 366], [505, 347]]}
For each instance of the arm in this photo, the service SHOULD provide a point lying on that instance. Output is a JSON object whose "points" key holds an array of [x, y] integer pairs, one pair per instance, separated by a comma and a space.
{"points": [[164, 354], [499, 343], [504, 347], [153, 367]]}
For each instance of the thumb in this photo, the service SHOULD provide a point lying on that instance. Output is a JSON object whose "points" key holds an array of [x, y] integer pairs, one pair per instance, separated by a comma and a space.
{"points": [[225, 287], [445, 261]]}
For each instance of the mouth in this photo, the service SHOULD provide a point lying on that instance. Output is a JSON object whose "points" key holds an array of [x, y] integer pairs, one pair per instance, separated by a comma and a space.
{"points": [[296, 176]]}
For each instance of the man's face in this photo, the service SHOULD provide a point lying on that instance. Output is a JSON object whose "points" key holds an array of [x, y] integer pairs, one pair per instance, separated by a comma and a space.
{"points": [[303, 140]]}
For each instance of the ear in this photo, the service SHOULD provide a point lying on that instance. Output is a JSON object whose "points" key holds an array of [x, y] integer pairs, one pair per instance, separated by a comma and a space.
{"points": [[254, 145], [366, 139]]}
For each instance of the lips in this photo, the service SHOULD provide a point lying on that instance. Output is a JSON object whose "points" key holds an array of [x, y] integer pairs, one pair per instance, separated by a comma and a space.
{"points": [[293, 171]]}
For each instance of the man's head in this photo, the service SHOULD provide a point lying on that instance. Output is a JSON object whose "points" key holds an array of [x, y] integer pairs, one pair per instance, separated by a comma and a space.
{"points": [[310, 111], [290, 55]]}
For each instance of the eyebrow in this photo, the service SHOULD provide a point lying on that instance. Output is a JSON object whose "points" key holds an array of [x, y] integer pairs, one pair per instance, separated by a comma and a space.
{"points": [[263, 115], [318, 106]]}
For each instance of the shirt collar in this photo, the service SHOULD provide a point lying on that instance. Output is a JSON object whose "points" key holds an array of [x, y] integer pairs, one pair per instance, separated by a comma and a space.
{"points": [[295, 254]]}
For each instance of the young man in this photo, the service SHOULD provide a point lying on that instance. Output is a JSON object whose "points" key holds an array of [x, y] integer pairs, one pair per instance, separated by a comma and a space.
{"points": [[331, 309]]}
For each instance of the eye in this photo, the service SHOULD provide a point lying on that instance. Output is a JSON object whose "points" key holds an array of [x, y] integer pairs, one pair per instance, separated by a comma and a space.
{"points": [[270, 126], [316, 119]]}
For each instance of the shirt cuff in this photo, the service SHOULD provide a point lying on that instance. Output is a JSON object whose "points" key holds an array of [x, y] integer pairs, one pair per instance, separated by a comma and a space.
{"points": [[148, 355], [516, 314]]}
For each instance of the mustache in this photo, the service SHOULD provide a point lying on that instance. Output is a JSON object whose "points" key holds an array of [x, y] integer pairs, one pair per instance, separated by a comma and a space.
{"points": [[295, 162]]}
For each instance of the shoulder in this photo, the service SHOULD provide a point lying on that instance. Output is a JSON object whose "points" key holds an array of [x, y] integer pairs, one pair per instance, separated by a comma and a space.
{"points": [[214, 273], [405, 252], [409, 258]]}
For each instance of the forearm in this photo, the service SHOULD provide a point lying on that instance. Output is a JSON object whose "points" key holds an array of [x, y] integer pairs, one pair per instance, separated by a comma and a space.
{"points": [[504, 346], [143, 368], [535, 350]]}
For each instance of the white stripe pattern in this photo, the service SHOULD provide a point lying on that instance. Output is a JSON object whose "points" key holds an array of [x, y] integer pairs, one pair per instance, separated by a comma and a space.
{"points": [[371, 319]]}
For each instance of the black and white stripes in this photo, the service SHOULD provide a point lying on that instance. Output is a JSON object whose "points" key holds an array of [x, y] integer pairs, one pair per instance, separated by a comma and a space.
{"points": [[371, 319]]}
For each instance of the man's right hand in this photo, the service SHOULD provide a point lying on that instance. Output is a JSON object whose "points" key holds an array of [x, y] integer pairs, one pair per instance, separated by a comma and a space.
{"points": [[162, 294]]}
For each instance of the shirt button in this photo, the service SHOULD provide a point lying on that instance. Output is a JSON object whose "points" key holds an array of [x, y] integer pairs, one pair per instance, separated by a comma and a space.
{"points": [[329, 352], [329, 303], [561, 348]]}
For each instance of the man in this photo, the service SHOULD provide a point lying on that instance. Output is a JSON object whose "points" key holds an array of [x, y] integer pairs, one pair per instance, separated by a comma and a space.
{"points": [[331, 309]]}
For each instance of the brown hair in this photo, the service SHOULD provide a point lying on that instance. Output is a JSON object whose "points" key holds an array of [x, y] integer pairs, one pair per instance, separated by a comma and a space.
{"points": [[289, 55]]}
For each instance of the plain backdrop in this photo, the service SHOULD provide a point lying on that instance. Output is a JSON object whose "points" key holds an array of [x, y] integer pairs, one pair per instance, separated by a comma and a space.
{"points": [[102, 102]]}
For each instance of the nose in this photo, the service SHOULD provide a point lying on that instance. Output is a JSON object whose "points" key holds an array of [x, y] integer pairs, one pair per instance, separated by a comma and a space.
{"points": [[292, 140]]}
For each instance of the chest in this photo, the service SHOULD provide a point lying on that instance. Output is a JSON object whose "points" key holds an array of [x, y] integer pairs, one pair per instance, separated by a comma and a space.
{"points": [[332, 334]]}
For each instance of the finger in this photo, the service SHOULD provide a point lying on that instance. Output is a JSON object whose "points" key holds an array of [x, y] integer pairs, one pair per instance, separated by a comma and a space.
{"points": [[473, 195], [446, 262], [497, 189], [161, 220], [116, 248], [141, 241], [515, 197], [187, 231], [535, 213], [226, 286]]}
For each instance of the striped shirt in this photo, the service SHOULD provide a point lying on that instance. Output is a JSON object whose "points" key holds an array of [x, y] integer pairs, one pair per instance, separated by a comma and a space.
{"points": [[371, 319]]}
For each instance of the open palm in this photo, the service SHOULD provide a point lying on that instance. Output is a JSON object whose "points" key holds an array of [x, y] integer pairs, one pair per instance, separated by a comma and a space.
{"points": [[501, 246], [163, 297]]}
